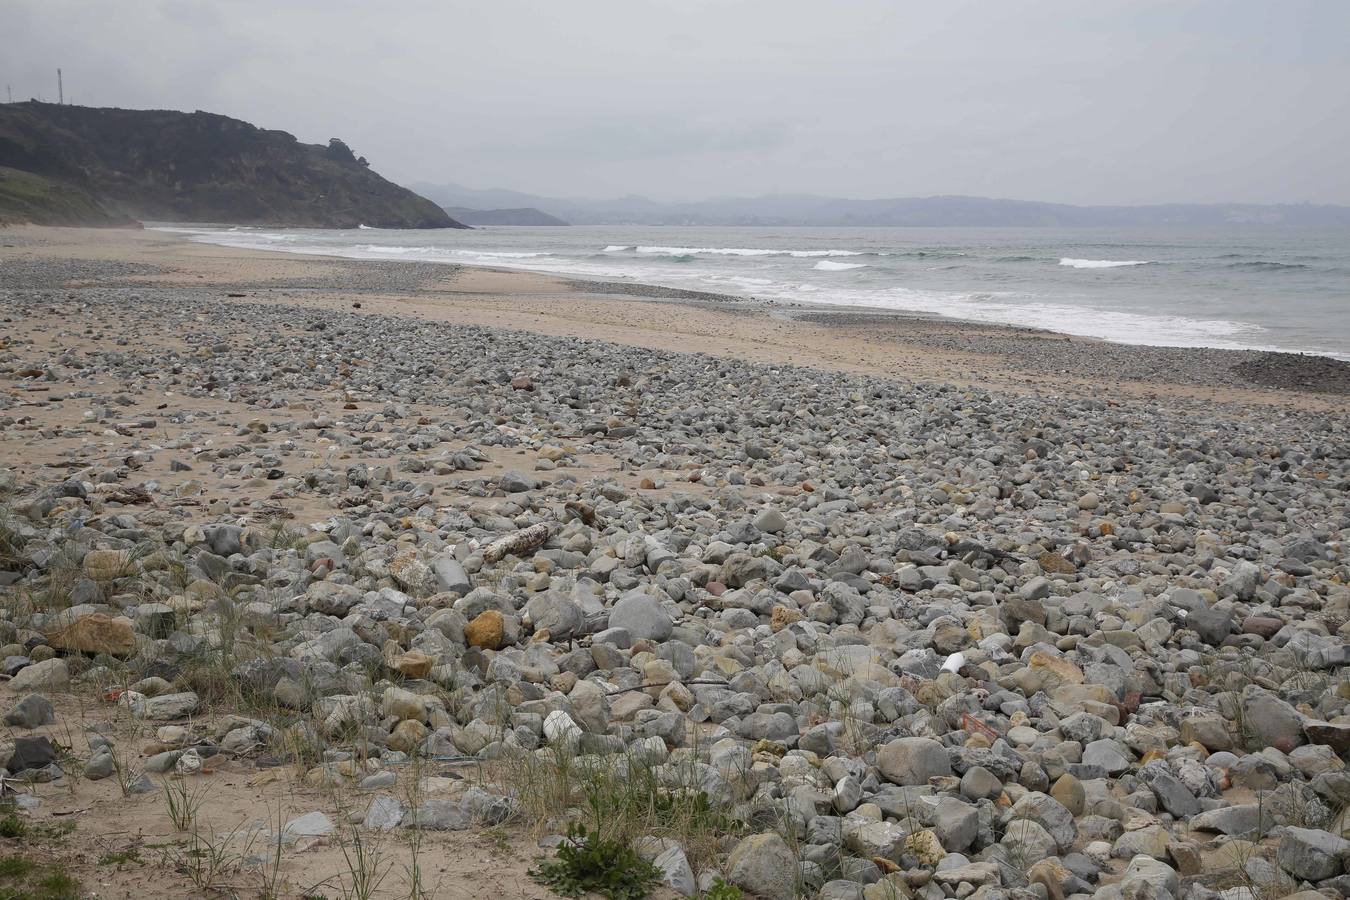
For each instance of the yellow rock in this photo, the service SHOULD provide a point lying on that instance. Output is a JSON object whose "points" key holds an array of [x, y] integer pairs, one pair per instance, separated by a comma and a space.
{"points": [[1065, 670], [407, 735], [487, 630], [726, 665], [96, 633], [925, 846], [1070, 793], [782, 617], [105, 565], [413, 664], [1056, 564]]}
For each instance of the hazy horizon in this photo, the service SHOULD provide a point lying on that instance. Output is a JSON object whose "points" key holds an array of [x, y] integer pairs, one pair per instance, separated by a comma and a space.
{"points": [[638, 195], [1121, 103]]}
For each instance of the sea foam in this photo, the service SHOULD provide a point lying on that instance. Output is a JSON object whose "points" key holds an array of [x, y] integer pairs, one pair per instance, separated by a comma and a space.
{"points": [[741, 251], [826, 266], [1103, 263]]}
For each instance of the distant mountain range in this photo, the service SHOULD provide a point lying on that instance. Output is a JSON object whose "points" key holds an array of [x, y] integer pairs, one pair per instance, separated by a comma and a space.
{"points": [[525, 216], [810, 209], [80, 165]]}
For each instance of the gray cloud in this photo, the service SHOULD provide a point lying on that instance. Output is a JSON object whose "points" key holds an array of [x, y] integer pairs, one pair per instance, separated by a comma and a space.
{"points": [[1117, 101]]}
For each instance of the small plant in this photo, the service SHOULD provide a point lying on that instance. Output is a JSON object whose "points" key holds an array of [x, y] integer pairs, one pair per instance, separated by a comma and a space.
{"points": [[11, 826], [272, 880], [183, 802], [720, 890], [127, 772], [501, 844], [588, 863], [363, 856], [25, 879], [208, 858], [120, 858], [366, 868], [416, 887]]}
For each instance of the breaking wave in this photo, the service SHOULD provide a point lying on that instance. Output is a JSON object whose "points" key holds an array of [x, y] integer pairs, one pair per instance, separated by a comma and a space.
{"points": [[1103, 263], [826, 266], [737, 251]]}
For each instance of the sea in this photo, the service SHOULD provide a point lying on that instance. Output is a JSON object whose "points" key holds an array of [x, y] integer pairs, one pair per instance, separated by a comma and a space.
{"points": [[1245, 287]]}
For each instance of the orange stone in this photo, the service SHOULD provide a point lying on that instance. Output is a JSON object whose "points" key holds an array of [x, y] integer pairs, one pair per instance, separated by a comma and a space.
{"points": [[487, 630], [782, 617]]}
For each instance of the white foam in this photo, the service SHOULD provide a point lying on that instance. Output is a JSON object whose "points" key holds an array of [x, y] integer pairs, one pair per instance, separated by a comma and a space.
{"points": [[826, 266], [1103, 263], [741, 251], [1009, 308], [616, 248], [363, 227], [497, 254]]}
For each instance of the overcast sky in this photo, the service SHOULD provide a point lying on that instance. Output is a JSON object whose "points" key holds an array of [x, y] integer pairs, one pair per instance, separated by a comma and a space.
{"points": [[1107, 101]]}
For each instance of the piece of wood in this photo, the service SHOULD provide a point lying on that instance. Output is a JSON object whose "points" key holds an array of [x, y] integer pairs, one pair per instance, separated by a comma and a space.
{"points": [[517, 542]]}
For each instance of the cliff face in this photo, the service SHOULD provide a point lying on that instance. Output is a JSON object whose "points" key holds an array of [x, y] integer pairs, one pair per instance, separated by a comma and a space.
{"points": [[201, 167]]}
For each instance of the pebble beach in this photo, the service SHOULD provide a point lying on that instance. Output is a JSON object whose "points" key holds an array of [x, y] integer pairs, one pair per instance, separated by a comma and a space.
{"points": [[921, 608]]}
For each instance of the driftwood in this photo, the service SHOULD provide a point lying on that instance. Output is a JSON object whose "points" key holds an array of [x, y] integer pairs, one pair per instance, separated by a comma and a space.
{"points": [[645, 687], [517, 542]]}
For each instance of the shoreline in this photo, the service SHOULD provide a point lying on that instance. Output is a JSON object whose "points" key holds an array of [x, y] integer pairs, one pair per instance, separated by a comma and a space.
{"points": [[637, 288], [896, 344]]}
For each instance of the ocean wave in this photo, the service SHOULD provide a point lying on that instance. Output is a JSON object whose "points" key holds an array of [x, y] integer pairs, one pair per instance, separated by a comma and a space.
{"points": [[616, 248], [363, 227], [1010, 259], [826, 266], [741, 251], [1261, 265], [496, 254], [1103, 263], [1031, 310]]}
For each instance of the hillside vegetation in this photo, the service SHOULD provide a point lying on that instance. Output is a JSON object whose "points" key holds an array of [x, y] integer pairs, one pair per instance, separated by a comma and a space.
{"points": [[29, 198], [104, 166]]}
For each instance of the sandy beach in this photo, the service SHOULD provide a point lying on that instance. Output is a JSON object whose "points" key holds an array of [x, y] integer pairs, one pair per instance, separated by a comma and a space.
{"points": [[424, 559]]}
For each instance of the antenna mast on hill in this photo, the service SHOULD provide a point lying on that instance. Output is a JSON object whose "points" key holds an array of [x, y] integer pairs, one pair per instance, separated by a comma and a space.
{"points": [[60, 89]]}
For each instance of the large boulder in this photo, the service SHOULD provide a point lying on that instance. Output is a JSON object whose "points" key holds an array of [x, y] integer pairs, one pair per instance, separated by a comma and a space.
{"points": [[1051, 815], [1270, 722], [1211, 623], [95, 633], [913, 760], [763, 865], [46, 675], [641, 616], [1312, 854], [558, 616]]}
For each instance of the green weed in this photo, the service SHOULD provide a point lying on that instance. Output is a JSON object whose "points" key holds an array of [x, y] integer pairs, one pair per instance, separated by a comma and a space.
{"points": [[588, 863]]}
